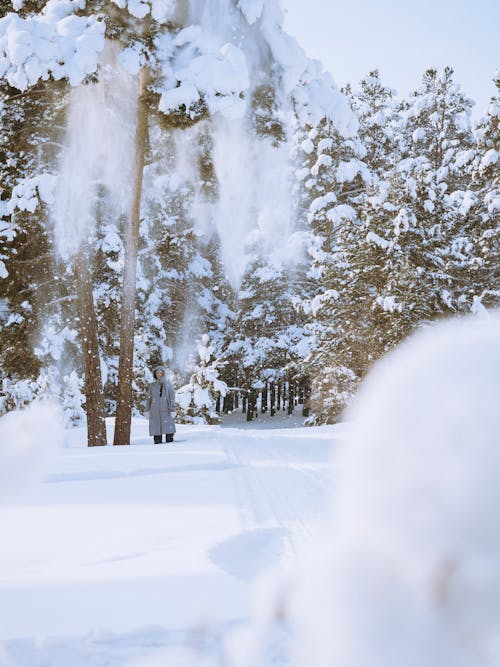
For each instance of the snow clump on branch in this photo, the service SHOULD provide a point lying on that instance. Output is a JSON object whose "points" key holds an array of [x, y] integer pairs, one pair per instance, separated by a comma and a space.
{"points": [[54, 43]]}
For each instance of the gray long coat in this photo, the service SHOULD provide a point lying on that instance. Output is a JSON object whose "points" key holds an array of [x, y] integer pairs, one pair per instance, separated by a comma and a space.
{"points": [[160, 407]]}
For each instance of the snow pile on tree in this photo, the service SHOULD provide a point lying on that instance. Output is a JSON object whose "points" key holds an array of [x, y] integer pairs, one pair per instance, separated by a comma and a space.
{"points": [[410, 573], [196, 401], [219, 78], [54, 43], [30, 192]]}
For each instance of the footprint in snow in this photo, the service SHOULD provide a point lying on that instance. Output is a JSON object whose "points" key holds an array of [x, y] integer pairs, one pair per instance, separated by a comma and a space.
{"points": [[251, 552]]}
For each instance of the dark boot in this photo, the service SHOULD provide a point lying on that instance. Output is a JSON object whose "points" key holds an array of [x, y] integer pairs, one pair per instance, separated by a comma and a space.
{"points": [[157, 439], [169, 437]]}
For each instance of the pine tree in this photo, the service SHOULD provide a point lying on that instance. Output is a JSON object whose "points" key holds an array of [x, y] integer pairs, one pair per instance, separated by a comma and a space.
{"points": [[29, 280], [334, 177], [481, 207], [437, 132], [197, 400], [377, 111], [270, 337]]}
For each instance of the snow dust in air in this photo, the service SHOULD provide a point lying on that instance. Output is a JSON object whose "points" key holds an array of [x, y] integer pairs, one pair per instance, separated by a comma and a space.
{"points": [[29, 440], [253, 213], [98, 155]]}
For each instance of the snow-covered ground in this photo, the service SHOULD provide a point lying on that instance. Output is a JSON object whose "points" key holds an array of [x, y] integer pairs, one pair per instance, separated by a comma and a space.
{"points": [[118, 553], [155, 556]]}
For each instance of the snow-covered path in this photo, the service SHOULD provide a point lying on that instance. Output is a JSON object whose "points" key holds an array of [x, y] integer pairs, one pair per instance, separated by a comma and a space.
{"points": [[121, 550]]}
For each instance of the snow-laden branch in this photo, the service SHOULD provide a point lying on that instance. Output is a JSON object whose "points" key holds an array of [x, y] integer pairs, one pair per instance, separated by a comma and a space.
{"points": [[30, 192], [55, 43]]}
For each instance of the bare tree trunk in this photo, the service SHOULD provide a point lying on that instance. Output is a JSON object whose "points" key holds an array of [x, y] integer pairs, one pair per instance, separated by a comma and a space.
{"points": [[273, 399], [263, 404], [94, 398], [307, 398], [291, 397], [126, 364], [251, 405]]}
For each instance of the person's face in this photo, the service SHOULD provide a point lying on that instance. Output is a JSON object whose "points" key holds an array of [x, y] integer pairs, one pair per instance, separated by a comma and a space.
{"points": [[159, 375]]}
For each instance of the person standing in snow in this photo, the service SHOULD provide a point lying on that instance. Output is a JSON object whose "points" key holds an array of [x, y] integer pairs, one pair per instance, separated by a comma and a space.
{"points": [[160, 403]]}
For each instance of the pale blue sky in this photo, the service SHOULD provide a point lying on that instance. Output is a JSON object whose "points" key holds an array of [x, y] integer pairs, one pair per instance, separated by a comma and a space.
{"points": [[402, 38]]}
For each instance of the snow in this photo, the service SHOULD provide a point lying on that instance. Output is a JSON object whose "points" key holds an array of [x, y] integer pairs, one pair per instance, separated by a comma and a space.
{"points": [[320, 300], [347, 171], [478, 308], [307, 146], [489, 158], [217, 76], [194, 525], [132, 59], [402, 221], [379, 241], [389, 304], [186, 94], [252, 9], [29, 192], [317, 97], [418, 134], [29, 439], [212, 64], [341, 212], [408, 573], [196, 70], [98, 150], [55, 43], [322, 202], [160, 10]]}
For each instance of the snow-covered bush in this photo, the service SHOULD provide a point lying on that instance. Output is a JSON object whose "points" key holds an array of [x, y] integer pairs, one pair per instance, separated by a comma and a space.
{"points": [[196, 401], [73, 399], [332, 390], [48, 386], [17, 395]]}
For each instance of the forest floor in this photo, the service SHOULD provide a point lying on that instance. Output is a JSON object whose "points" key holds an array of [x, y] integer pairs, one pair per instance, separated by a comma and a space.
{"points": [[122, 554]]}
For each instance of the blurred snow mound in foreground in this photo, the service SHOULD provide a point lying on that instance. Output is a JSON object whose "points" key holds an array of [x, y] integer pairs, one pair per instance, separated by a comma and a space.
{"points": [[29, 439], [409, 573]]}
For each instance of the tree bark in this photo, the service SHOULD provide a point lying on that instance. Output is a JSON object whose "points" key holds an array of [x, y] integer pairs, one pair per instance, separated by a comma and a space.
{"points": [[273, 399], [94, 397], [251, 405], [291, 397], [307, 399], [263, 404], [126, 363]]}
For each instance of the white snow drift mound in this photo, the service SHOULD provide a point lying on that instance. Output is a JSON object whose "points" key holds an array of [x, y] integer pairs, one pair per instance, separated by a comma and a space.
{"points": [[28, 441], [410, 576]]}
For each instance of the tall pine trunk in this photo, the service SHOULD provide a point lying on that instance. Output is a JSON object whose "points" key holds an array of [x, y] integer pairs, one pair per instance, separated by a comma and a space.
{"points": [[127, 321], [94, 397], [273, 399]]}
